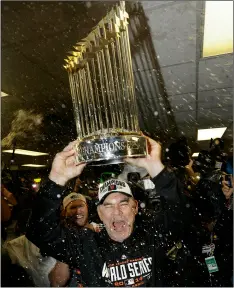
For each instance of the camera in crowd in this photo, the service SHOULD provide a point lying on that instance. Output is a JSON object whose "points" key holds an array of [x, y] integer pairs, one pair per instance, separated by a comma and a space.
{"points": [[204, 162], [213, 159], [212, 165]]}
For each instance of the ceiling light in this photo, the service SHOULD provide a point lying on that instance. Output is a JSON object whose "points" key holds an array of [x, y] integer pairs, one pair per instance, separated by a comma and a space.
{"points": [[195, 154], [218, 28], [207, 134], [3, 94], [33, 165], [25, 152]]}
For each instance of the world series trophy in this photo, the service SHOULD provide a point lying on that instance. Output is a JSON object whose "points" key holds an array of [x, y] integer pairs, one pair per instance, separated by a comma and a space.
{"points": [[102, 89]]}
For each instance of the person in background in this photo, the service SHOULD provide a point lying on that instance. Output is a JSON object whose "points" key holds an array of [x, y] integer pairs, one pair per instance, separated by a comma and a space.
{"points": [[26, 197], [74, 215], [42, 269], [223, 232], [227, 189], [8, 202], [75, 211], [219, 225]]}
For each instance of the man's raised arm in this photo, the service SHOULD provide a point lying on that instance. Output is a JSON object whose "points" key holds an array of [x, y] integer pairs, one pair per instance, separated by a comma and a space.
{"points": [[44, 228], [166, 185]]}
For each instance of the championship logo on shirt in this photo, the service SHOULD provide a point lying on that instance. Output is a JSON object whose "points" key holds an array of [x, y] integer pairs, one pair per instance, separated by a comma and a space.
{"points": [[130, 272]]}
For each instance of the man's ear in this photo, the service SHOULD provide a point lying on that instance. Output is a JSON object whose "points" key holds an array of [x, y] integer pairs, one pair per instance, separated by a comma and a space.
{"points": [[135, 207], [99, 212]]}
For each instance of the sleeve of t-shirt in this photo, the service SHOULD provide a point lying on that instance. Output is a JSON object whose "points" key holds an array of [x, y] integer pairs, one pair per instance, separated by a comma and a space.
{"points": [[170, 217]]}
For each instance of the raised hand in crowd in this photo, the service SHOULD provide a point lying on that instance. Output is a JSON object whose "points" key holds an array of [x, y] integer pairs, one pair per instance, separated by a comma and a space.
{"points": [[227, 190]]}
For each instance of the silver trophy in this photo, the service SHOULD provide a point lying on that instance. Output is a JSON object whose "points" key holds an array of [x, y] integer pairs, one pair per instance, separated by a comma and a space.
{"points": [[102, 89]]}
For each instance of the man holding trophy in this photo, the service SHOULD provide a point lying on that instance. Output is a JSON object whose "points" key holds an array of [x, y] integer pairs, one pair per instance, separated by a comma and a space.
{"points": [[127, 252]]}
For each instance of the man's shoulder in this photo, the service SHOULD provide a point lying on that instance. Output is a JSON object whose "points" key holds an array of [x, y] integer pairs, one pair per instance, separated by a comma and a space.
{"points": [[81, 233]]}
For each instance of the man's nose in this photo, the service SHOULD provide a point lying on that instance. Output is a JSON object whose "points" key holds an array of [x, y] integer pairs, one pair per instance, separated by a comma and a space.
{"points": [[117, 210], [78, 210]]}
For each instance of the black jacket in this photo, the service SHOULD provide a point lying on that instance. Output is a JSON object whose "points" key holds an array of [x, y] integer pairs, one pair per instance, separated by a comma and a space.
{"points": [[138, 261]]}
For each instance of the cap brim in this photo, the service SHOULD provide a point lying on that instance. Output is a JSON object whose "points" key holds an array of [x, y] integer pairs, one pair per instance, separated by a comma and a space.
{"points": [[111, 192]]}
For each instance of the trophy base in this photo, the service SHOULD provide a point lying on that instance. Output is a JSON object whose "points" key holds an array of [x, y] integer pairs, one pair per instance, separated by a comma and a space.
{"points": [[106, 150]]}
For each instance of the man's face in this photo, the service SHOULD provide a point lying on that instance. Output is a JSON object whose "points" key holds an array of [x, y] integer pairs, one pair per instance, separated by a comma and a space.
{"points": [[78, 212], [117, 213]]}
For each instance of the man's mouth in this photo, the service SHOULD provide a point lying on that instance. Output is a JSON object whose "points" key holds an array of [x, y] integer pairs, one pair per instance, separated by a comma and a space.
{"points": [[119, 226], [79, 216]]}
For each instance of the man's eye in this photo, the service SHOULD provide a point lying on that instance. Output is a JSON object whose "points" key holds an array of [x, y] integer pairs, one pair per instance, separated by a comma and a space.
{"points": [[108, 206], [124, 204]]}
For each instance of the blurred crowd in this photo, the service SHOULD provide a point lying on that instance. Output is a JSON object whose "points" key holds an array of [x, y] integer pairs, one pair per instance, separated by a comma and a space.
{"points": [[207, 182]]}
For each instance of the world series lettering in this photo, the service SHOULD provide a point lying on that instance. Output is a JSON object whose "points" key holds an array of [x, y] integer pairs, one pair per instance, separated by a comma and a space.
{"points": [[129, 272]]}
